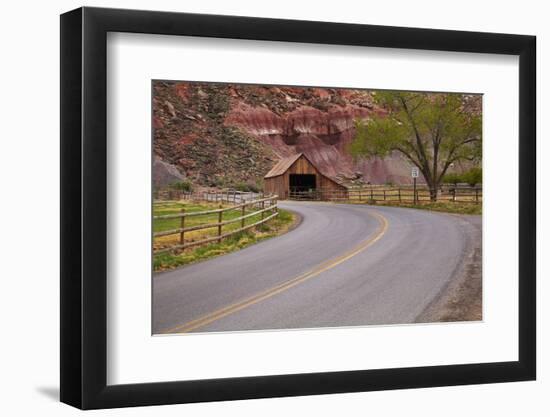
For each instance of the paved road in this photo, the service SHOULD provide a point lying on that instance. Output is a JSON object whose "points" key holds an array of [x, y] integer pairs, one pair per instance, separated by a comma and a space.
{"points": [[344, 265]]}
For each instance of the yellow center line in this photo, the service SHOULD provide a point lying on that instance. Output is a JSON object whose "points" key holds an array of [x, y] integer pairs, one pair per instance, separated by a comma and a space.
{"points": [[325, 266]]}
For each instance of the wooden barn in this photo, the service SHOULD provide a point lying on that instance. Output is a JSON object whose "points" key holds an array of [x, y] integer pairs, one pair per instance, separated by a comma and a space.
{"points": [[297, 177]]}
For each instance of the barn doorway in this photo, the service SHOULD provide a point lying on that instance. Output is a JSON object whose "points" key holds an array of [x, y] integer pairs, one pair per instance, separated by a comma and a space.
{"points": [[301, 185]]}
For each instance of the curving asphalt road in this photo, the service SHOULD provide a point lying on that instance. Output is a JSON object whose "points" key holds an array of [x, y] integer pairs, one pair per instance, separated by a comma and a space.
{"points": [[344, 265]]}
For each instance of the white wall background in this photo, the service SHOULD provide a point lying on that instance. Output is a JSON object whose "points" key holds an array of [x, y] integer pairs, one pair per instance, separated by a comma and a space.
{"points": [[29, 220]]}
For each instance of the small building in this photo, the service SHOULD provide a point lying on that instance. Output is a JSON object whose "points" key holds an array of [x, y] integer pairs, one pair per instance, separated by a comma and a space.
{"points": [[297, 177]]}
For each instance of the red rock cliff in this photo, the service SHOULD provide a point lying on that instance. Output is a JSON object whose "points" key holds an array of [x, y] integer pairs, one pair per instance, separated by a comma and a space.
{"points": [[216, 133]]}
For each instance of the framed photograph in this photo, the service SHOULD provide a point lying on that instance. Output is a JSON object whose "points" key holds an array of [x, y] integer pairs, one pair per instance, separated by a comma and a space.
{"points": [[258, 208]]}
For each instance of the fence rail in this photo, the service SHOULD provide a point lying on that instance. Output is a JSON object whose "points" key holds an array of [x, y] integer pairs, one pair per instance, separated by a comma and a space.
{"points": [[265, 207], [398, 194], [226, 196]]}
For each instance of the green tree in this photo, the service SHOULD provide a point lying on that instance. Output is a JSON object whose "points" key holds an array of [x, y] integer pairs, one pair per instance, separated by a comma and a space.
{"points": [[431, 130], [452, 178], [473, 176]]}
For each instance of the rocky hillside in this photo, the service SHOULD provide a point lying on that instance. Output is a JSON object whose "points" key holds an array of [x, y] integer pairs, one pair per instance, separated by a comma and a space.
{"points": [[220, 135]]}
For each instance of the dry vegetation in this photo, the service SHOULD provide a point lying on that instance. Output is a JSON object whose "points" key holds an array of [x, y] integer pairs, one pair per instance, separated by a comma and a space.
{"points": [[280, 224]]}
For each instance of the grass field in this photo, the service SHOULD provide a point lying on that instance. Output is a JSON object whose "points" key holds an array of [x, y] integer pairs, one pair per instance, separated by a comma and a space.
{"points": [[274, 227]]}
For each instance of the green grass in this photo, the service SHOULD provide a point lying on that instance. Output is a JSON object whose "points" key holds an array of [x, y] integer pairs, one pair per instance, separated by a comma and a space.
{"points": [[190, 207], [443, 206], [274, 227]]}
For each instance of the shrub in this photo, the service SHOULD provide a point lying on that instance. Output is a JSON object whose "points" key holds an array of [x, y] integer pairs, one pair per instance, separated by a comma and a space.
{"points": [[253, 187], [247, 187], [473, 176], [185, 186], [217, 182], [452, 178]]}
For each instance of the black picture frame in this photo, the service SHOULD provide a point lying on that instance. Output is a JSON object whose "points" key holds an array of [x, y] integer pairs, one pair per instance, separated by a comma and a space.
{"points": [[84, 207]]}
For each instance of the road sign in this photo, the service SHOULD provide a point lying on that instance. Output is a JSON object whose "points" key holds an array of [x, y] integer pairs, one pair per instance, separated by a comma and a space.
{"points": [[414, 172]]}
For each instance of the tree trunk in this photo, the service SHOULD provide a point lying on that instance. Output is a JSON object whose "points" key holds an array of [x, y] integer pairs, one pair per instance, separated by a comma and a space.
{"points": [[431, 182], [432, 185]]}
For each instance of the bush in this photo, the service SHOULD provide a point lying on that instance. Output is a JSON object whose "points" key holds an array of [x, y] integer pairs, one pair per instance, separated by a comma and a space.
{"points": [[247, 187], [217, 182], [253, 187], [452, 178], [184, 186], [473, 176]]}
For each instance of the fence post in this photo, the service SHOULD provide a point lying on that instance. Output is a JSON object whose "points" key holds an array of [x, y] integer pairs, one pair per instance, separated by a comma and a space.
{"points": [[242, 215], [371, 194], [220, 224], [360, 194], [384, 195], [454, 194], [477, 195], [182, 226], [399, 193], [263, 206]]}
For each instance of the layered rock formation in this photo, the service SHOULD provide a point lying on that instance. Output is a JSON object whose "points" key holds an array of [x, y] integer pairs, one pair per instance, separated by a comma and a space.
{"points": [[216, 134]]}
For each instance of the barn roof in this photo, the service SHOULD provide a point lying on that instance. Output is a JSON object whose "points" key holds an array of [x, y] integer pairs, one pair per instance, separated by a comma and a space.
{"points": [[281, 166], [285, 163]]}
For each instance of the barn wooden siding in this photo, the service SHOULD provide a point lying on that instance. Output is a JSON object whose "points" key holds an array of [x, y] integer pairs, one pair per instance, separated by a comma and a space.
{"points": [[277, 181]]}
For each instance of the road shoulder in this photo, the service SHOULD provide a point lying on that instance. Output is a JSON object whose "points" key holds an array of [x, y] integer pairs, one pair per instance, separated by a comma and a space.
{"points": [[461, 298]]}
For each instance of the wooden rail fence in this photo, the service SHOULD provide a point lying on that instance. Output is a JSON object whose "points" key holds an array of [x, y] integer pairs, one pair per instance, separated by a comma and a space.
{"points": [[225, 196], [265, 207], [397, 194]]}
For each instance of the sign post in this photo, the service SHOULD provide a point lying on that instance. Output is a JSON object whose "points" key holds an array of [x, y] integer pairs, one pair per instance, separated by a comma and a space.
{"points": [[414, 175]]}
